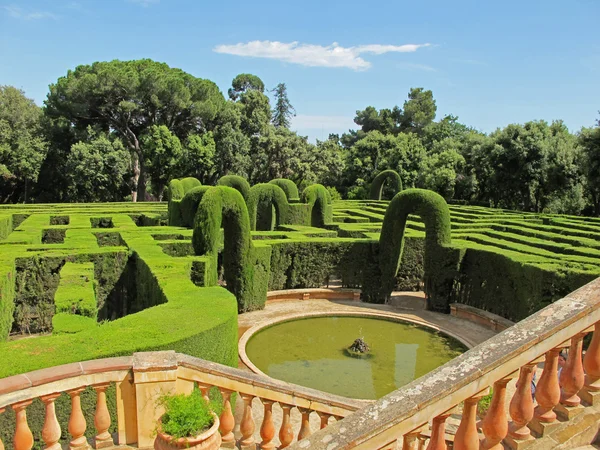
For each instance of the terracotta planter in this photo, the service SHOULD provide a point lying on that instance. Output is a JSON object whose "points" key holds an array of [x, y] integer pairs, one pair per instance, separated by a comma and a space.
{"points": [[209, 440]]}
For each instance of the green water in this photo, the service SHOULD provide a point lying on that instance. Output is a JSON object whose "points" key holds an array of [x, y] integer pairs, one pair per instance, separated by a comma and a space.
{"points": [[310, 352]]}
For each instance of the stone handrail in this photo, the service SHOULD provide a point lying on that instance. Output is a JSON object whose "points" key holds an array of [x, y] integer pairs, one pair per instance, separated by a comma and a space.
{"points": [[403, 416], [315, 293], [140, 380]]}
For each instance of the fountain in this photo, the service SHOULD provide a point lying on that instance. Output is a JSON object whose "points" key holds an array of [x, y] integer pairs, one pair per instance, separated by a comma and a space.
{"points": [[359, 349]]}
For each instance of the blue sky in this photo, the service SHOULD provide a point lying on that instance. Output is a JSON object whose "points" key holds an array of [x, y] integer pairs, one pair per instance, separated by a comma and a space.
{"points": [[491, 63]]}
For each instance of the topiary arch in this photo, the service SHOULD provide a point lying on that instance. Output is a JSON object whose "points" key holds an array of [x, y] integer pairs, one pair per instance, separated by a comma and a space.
{"points": [[318, 199], [377, 184], [288, 186], [189, 205], [440, 259], [261, 199], [236, 182], [175, 193], [246, 268]]}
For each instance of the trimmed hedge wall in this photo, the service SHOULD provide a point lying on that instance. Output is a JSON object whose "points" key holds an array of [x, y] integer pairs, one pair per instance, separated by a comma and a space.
{"points": [[189, 205], [236, 182], [392, 177], [440, 260], [261, 200], [289, 187], [175, 193], [224, 207], [319, 201]]}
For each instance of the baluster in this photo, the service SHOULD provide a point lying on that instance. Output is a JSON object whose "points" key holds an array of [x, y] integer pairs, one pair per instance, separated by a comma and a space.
{"points": [[1, 444], [102, 418], [227, 421], [247, 426], [495, 424], [521, 405], [591, 362], [286, 434], [205, 389], [305, 427], [324, 419], [77, 424], [547, 391], [572, 377], [438, 433], [267, 429], [466, 437], [23, 438], [410, 441], [51, 431]]}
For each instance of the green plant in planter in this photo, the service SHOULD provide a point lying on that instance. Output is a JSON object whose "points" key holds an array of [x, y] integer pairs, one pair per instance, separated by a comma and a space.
{"points": [[188, 415]]}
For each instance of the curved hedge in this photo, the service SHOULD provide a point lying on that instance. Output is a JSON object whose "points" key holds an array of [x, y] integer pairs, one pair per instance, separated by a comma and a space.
{"points": [[379, 181], [288, 186], [440, 263], [189, 205], [236, 182], [317, 197], [190, 183], [175, 193], [246, 271], [261, 199]]}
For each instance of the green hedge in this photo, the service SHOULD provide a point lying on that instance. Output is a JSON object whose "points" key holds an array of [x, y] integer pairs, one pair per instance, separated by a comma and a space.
{"points": [[440, 260], [189, 183], [76, 293], [175, 193], [236, 182], [189, 205], [6, 225], [393, 179], [262, 199], [224, 207], [288, 186], [7, 297], [319, 201]]}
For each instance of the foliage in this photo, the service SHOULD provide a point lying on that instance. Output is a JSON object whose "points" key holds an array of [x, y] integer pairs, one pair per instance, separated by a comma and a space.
{"points": [[261, 199], [236, 182], [187, 416], [318, 199], [246, 267], [439, 276], [198, 158], [189, 205], [130, 97], [22, 145], [289, 188], [162, 153], [97, 170], [243, 83], [283, 110], [381, 178]]}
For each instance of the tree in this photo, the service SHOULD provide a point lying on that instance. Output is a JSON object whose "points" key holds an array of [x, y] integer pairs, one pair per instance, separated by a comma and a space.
{"points": [[243, 83], [418, 111], [440, 171], [162, 153], [198, 159], [283, 111], [22, 145], [129, 97], [97, 170], [255, 112], [589, 142]]}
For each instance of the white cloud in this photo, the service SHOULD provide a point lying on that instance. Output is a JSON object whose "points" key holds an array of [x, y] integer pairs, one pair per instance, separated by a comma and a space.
{"points": [[311, 55], [308, 122], [20, 13], [145, 3]]}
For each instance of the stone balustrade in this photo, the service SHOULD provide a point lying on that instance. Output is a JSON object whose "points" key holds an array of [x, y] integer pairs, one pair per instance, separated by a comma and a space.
{"points": [[414, 416], [140, 380]]}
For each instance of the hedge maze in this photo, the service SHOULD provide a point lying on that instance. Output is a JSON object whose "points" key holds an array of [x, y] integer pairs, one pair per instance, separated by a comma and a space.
{"points": [[99, 280]]}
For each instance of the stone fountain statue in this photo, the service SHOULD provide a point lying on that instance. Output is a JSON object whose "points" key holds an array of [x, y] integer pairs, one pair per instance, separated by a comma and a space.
{"points": [[358, 349]]}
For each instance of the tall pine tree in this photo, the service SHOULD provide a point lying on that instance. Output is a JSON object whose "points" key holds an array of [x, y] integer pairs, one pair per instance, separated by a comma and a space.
{"points": [[283, 111]]}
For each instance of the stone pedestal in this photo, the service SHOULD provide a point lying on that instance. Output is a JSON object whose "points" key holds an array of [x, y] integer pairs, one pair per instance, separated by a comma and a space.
{"points": [[591, 398], [518, 444], [568, 412], [542, 429]]}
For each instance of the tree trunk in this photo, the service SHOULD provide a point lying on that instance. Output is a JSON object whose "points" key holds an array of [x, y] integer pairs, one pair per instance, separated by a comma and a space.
{"points": [[141, 184], [136, 176]]}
